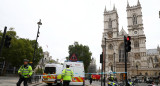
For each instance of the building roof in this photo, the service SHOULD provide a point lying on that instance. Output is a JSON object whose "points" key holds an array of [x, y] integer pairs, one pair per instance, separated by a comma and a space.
{"points": [[122, 32], [152, 51]]}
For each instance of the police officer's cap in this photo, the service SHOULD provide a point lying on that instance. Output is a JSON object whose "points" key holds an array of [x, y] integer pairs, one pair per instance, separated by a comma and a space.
{"points": [[67, 65], [26, 60]]}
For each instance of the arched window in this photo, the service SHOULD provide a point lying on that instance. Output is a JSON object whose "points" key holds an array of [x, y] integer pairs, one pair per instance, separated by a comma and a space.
{"points": [[121, 52], [150, 59], [134, 19], [155, 73], [146, 74], [110, 23], [140, 74], [156, 66], [156, 59], [110, 46], [136, 44]]}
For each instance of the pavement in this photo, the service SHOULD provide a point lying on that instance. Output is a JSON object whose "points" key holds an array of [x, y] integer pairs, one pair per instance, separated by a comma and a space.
{"points": [[11, 81]]}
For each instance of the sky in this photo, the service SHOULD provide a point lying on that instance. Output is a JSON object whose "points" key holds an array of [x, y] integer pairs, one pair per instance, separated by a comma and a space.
{"points": [[67, 21]]}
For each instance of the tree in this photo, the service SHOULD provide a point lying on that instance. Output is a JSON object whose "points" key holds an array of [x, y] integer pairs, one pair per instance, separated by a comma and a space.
{"points": [[20, 49], [82, 52]]}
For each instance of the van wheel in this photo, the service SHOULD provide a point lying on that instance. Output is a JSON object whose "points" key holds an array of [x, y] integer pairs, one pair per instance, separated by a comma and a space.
{"points": [[49, 84]]}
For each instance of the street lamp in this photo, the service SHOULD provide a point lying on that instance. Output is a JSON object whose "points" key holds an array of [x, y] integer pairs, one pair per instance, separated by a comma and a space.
{"points": [[105, 38], [159, 14], [39, 23], [137, 69], [114, 64]]}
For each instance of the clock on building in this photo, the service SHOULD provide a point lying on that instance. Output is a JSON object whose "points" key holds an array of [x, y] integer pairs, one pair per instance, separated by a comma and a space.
{"points": [[135, 32]]}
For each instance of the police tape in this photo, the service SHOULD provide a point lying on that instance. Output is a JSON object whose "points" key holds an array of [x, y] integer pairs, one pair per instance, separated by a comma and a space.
{"points": [[85, 73]]}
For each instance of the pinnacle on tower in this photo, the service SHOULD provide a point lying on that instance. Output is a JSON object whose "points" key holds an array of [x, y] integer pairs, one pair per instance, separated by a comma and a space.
{"points": [[128, 4], [114, 7], [158, 47], [105, 9], [138, 3]]}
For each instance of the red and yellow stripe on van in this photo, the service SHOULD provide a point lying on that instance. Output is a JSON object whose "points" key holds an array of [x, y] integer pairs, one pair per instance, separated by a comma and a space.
{"points": [[77, 79], [48, 76]]}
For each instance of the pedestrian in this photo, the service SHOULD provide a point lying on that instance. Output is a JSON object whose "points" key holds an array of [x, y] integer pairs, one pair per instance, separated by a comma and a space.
{"points": [[67, 75], [25, 71], [90, 79]]}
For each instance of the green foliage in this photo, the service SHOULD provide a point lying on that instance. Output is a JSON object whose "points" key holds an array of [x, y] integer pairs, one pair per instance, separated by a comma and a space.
{"points": [[82, 52], [53, 61], [39, 71], [20, 49]]}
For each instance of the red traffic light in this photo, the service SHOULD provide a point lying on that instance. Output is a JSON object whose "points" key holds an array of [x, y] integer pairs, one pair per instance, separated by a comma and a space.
{"points": [[128, 38]]}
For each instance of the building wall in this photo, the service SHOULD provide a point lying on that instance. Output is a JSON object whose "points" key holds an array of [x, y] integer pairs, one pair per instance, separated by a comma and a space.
{"points": [[140, 60]]}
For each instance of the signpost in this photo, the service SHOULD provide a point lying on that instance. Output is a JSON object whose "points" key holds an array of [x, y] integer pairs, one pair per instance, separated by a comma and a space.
{"points": [[73, 58]]}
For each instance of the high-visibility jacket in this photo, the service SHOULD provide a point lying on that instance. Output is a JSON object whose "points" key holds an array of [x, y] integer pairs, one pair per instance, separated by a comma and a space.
{"points": [[25, 71], [130, 83], [67, 74], [112, 83], [59, 77]]}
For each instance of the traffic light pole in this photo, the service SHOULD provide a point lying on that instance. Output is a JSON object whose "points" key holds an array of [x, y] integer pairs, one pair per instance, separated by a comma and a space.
{"points": [[125, 61], [101, 61], [101, 73], [104, 63], [2, 42]]}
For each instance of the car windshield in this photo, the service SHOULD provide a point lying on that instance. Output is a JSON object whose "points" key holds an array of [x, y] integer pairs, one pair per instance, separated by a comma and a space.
{"points": [[50, 70]]}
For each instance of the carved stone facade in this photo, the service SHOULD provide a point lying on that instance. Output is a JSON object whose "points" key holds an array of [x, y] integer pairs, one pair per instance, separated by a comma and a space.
{"points": [[140, 60]]}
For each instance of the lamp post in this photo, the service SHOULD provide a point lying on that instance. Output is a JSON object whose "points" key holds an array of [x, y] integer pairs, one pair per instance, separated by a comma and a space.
{"points": [[104, 58], [159, 14], [33, 60], [114, 64], [137, 69]]}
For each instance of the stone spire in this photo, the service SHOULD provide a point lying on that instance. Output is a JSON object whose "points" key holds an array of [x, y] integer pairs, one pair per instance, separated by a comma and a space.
{"points": [[128, 4], [105, 9], [114, 7], [138, 3], [158, 47]]}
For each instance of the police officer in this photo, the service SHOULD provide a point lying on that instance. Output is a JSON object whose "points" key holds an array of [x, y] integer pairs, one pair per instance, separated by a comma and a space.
{"points": [[25, 71], [67, 75]]}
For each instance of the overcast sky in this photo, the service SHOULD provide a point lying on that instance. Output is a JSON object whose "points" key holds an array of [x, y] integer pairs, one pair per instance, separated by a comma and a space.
{"points": [[66, 21]]}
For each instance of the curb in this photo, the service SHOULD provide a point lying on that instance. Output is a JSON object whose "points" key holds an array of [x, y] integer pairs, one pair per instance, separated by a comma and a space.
{"points": [[35, 84]]}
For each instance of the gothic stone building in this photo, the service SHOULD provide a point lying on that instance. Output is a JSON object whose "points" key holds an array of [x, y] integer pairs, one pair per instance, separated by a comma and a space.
{"points": [[140, 60]]}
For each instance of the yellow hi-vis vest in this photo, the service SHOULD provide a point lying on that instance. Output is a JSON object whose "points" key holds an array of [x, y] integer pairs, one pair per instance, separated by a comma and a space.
{"points": [[59, 76], [25, 71], [67, 74], [111, 83]]}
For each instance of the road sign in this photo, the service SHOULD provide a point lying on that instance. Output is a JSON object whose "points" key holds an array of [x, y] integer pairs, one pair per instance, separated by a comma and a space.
{"points": [[73, 58]]}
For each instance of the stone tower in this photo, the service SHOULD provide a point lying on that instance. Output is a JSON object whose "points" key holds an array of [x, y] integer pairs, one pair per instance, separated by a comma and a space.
{"points": [[138, 38], [111, 23], [111, 33]]}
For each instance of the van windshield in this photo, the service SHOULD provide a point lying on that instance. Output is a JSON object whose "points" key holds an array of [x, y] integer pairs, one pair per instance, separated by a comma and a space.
{"points": [[50, 70]]}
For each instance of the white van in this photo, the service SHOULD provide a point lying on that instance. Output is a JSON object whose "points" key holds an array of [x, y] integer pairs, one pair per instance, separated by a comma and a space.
{"points": [[78, 71], [51, 72]]}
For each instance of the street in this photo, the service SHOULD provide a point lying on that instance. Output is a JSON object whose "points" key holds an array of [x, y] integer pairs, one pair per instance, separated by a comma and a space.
{"points": [[11, 81]]}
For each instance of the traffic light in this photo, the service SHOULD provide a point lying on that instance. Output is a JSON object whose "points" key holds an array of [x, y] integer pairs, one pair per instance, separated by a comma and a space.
{"points": [[7, 41], [128, 43], [101, 58]]}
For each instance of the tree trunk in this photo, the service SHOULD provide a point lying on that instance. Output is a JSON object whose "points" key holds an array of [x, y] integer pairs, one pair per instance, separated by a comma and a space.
{"points": [[4, 68]]}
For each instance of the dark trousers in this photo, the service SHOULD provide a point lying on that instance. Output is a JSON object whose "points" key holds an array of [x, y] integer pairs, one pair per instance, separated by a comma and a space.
{"points": [[21, 80], [90, 81], [66, 83]]}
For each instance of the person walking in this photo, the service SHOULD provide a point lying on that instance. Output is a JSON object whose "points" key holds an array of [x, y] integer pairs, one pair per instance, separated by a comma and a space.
{"points": [[25, 71], [67, 75], [90, 79]]}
